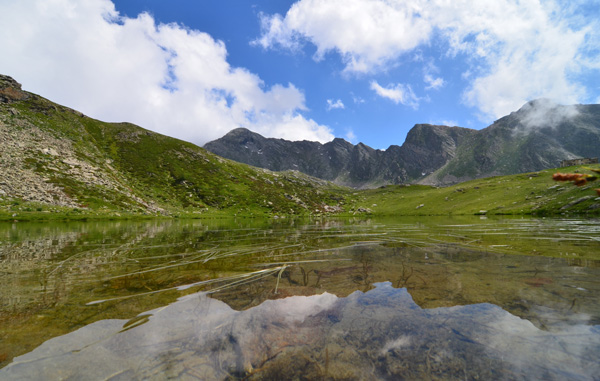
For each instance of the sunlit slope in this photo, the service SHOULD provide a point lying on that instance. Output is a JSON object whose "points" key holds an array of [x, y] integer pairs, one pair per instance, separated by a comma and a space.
{"points": [[529, 193], [55, 159], [57, 163]]}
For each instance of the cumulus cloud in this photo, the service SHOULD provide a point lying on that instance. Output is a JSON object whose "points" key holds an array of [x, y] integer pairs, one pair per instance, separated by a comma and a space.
{"points": [[331, 104], [398, 93], [516, 50], [524, 49], [164, 77], [353, 28], [277, 31]]}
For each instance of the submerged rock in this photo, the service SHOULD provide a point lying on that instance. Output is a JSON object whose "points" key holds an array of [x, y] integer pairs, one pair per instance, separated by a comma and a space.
{"points": [[378, 334]]}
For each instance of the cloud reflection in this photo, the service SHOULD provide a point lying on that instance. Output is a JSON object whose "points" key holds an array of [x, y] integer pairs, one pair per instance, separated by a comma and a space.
{"points": [[381, 333]]}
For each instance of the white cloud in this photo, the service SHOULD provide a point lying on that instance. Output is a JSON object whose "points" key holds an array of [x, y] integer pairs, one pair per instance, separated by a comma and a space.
{"points": [[398, 93], [546, 113], [450, 123], [331, 104], [353, 28], [525, 50], [357, 100], [433, 82], [275, 29], [351, 136], [164, 77], [516, 50], [444, 122], [293, 127]]}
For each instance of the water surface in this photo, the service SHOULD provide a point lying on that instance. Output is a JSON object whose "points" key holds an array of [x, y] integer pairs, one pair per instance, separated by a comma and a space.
{"points": [[336, 299]]}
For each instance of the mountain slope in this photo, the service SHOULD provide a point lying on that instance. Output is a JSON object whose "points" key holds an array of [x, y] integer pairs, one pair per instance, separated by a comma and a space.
{"points": [[56, 159], [57, 163], [426, 149], [539, 135]]}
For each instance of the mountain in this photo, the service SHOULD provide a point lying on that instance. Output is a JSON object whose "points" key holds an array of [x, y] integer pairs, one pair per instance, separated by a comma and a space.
{"points": [[539, 135], [57, 160], [56, 163], [426, 149]]}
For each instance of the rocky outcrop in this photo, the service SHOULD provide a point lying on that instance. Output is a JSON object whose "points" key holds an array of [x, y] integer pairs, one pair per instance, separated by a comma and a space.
{"points": [[10, 90], [19, 179], [31, 158]]}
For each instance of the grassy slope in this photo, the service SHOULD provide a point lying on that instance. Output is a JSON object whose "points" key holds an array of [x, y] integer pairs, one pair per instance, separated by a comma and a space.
{"points": [[179, 178], [531, 193], [175, 176]]}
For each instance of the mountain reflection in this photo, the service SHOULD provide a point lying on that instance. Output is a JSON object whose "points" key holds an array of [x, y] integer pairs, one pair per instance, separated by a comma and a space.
{"points": [[281, 297], [380, 333]]}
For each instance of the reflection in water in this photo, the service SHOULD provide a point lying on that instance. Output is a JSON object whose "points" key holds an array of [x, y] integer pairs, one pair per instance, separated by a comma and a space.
{"points": [[378, 334], [412, 298]]}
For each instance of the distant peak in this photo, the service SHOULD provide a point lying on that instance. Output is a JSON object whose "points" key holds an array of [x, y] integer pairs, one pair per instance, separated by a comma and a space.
{"points": [[432, 126], [6, 81], [10, 90], [545, 112], [239, 130], [546, 103]]}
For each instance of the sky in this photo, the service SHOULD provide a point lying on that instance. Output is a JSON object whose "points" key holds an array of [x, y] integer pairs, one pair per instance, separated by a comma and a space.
{"points": [[363, 70]]}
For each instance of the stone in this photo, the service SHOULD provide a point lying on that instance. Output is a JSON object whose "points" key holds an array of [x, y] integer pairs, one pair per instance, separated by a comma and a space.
{"points": [[49, 151], [10, 90], [575, 202]]}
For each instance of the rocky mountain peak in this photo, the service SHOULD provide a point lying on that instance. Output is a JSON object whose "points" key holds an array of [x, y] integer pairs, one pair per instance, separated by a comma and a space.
{"points": [[427, 148], [10, 90], [422, 133], [241, 131], [545, 103]]}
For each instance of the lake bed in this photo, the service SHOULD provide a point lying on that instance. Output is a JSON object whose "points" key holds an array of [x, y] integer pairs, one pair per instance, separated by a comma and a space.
{"points": [[439, 298]]}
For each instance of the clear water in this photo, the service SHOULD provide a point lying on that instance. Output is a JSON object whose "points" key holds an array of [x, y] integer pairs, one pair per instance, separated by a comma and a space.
{"points": [[420, 298]]}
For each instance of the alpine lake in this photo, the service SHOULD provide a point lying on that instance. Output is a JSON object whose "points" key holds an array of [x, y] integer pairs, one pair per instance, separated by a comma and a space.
{"points": [[396, 298]]}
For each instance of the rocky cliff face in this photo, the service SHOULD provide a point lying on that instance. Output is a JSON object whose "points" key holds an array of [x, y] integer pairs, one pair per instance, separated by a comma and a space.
{"points": [[537, 136], [31, 156], [426, 149], [10, 90]]}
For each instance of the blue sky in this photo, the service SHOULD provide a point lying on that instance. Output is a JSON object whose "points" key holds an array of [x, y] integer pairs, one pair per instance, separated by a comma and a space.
{"points": [[363, 70]]}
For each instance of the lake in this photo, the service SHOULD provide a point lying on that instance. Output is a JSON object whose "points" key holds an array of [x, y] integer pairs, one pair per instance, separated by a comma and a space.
{"points": [[404, 298]]}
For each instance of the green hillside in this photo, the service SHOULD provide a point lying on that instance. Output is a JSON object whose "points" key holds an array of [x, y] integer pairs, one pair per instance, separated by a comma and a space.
{"points": [[529, 193], [56, 163]]}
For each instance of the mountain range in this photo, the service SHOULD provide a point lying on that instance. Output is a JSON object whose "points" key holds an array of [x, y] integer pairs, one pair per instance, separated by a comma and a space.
{"points": [[57, 163], [539, 135]]}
